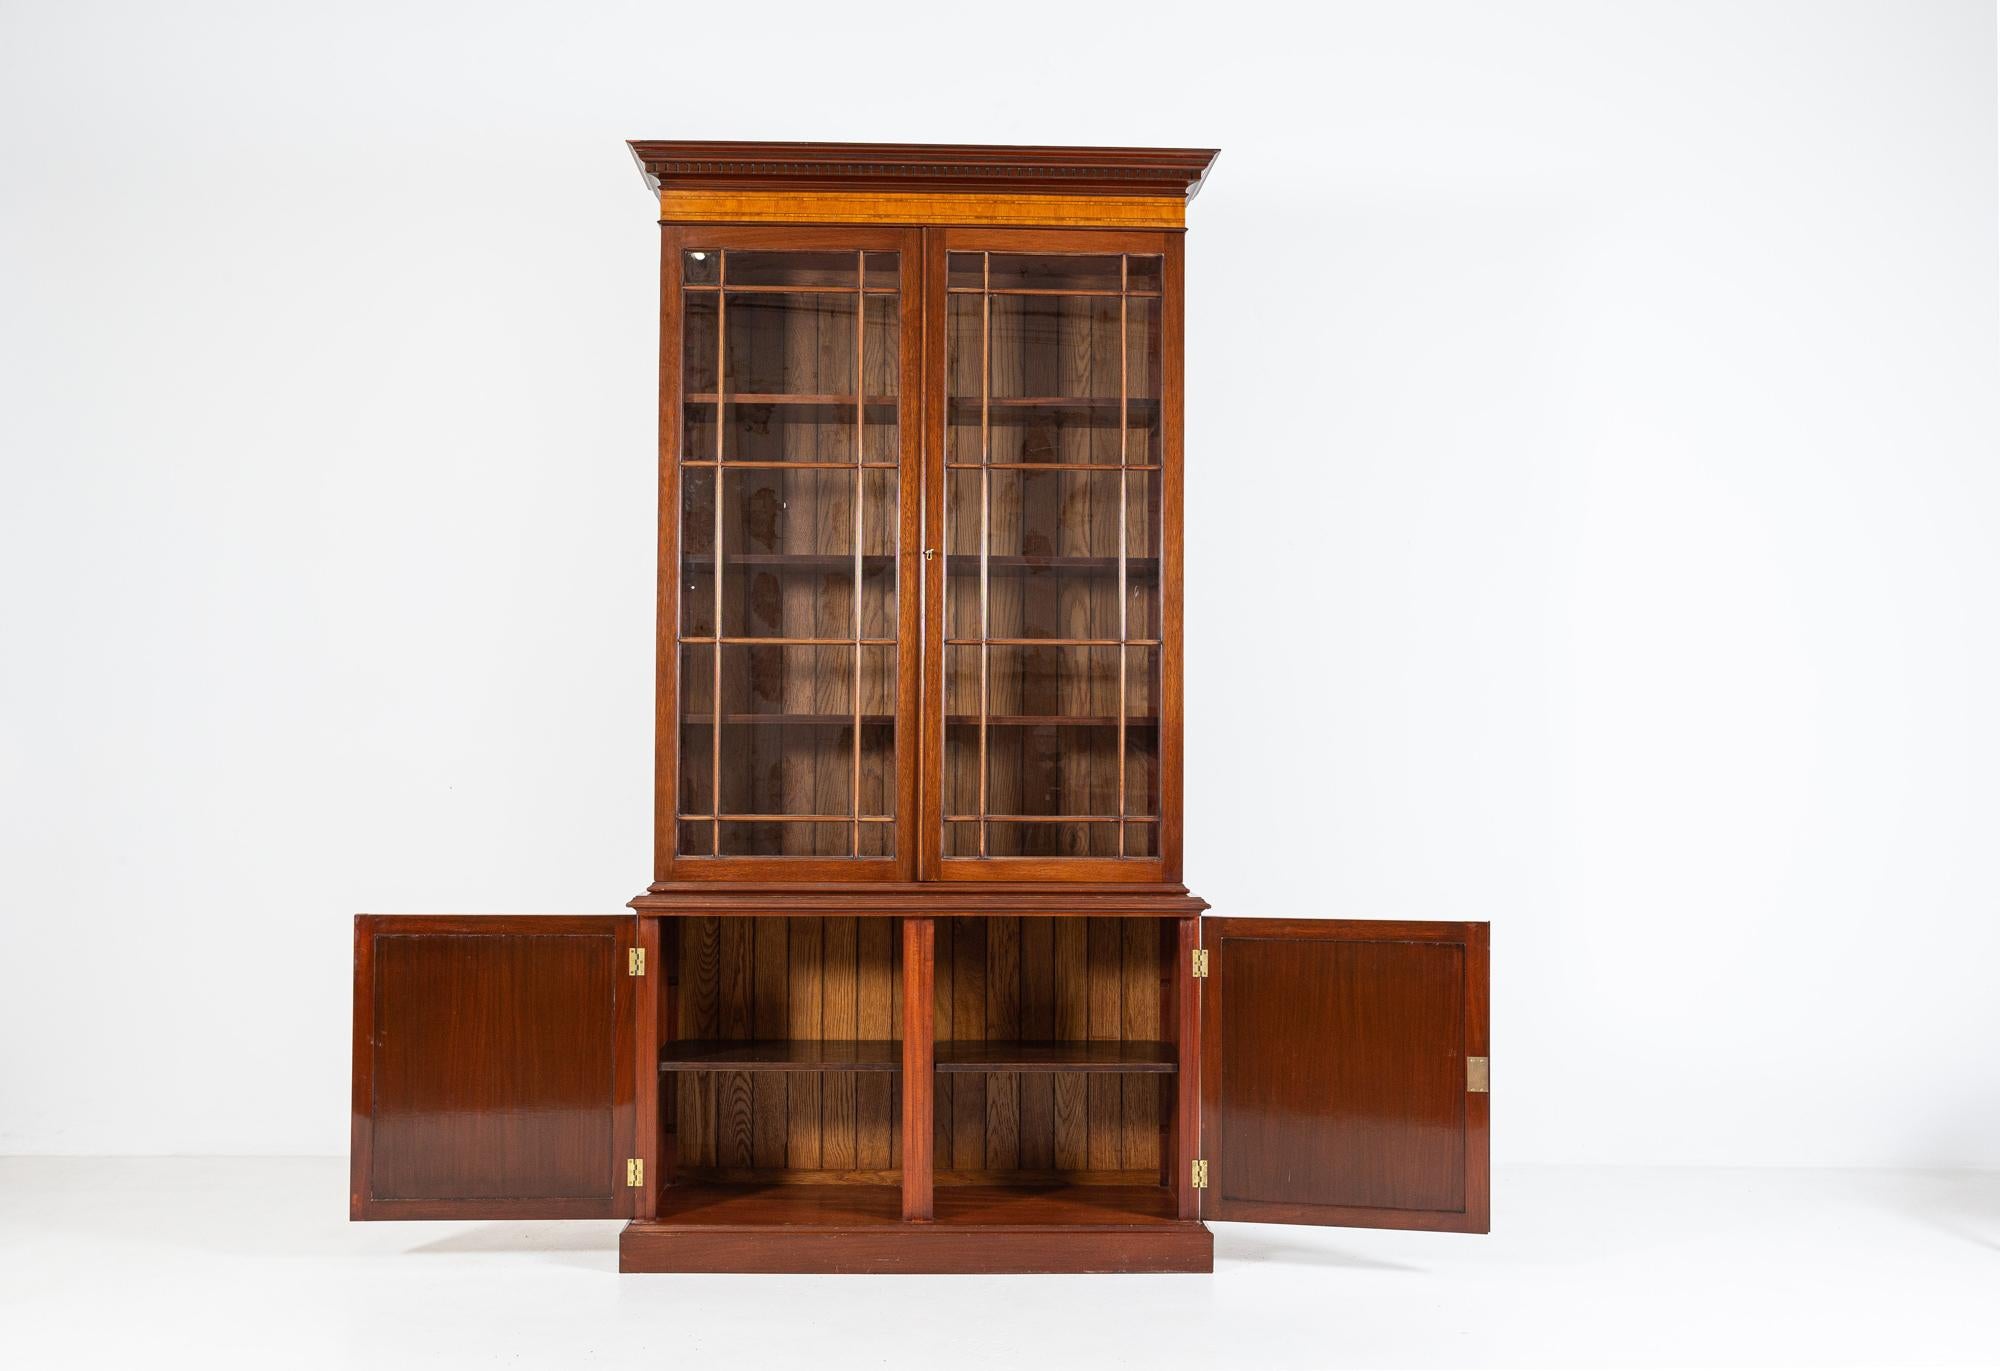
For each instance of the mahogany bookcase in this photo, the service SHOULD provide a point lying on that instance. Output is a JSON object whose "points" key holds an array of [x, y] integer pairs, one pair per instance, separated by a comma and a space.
{"points": [[916, 985]]}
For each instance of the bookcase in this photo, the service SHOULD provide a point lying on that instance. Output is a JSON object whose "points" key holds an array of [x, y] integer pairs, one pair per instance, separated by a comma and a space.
{"points": [[916, 985]]}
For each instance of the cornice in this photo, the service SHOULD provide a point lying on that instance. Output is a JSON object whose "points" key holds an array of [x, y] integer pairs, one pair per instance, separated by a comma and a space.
{"points": [[1175, 172]]}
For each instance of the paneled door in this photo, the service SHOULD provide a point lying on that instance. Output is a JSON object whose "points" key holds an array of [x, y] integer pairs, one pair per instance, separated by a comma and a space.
{"points": [[790, 497], [1052, 701], [1344, 1073], [493, 1067]]}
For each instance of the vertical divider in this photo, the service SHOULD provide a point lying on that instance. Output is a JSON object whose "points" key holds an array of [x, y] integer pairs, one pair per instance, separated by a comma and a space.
{"points": [[919, 1059], [985, 534], [860, 526], [933, 538], [721, 477], [1187, 1078], [651, 1142]]}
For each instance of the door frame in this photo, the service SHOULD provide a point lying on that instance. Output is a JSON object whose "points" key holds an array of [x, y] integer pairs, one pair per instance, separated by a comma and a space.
{"points": [[668, 863], [1166, 867]]}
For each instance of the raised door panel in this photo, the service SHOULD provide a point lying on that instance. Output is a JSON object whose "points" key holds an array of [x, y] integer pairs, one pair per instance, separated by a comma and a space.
{"points": [[1343, 1073], [493, 1073]]}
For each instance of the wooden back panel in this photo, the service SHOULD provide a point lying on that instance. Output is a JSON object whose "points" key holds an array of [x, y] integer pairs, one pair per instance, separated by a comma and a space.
{"points": [[1058, 980], [810, 979]]}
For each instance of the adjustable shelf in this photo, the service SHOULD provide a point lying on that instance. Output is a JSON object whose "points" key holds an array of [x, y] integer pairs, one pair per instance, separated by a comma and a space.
{"points": [[1133, 404], [788, 561], [760, 397], [955, 720], [781, 1054], [967, 564], [1001, 1055]]}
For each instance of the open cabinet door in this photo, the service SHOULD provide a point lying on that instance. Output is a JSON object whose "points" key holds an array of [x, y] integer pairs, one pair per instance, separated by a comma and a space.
{"points": [[1343, 1073], [493, 1074]]}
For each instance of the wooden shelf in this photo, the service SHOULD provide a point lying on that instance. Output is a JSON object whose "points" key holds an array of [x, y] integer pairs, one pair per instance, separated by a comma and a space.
{"points": [[1107, 293], [1053, 720], [728, 718], [781, 1054], [967, 563], [993, 402], [816, 1205], [740, 397], [789, 561], [996, 1055], [955, 720]]}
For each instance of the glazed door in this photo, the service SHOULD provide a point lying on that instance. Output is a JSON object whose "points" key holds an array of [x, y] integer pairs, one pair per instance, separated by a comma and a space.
{"points": [[1052, 667], [790, 443], [493, 1074], [1344, 1073]]}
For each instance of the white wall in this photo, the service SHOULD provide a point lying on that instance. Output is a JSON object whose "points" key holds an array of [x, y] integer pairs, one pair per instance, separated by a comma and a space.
{"points": [[1627, 578]]}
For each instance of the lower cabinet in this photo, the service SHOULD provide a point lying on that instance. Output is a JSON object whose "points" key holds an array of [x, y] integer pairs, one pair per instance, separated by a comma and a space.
{"points": [[991, 1093]]}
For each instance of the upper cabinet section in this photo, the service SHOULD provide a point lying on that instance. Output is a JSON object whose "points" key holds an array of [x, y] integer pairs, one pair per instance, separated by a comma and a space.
{"points": [[920, 520]]}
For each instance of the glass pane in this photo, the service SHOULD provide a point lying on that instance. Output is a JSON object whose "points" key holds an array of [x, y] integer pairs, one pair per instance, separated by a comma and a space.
{"points": [[1052, 574], [698, 354], [701, 266], [788, 553], [1053, 514], [792, 269], [779, 839], [1005, 839], [798, 430], [810, 682], [1067, 685], [1142, 349], [697, 729], [1142, 732], [1014, 271], [961, 553], [879, 370], [698, 431], [966, 369], [883, 270], [697, 583], [1045, 769], [1142, 554], [961, 734], [878, 731], [967, 270], [790, 494], [790, 345]]}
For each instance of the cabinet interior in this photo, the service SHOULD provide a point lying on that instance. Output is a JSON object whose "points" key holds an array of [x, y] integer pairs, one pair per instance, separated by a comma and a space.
{"points": [[781, 1067]]}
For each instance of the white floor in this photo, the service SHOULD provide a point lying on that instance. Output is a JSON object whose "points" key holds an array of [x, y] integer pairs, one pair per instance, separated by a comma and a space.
{"points": [[251, 1262]]}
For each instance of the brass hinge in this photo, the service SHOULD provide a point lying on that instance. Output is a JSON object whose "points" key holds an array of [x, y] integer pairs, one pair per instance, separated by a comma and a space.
{"points": [[1200, 1174], [1477, 1075], [1201, 963], [635, 1172], [635, 962]]}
